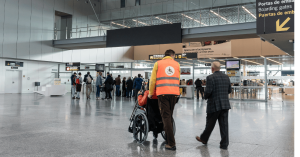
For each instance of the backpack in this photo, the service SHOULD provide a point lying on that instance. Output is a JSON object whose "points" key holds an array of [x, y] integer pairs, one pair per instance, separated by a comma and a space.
{"points": [[89, 79], [77, 81]]}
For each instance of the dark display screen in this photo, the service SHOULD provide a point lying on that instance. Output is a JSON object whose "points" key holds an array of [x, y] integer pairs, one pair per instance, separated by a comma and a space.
{"points": [[13, 63], [148, 35], [100, 67], [73, 64]]}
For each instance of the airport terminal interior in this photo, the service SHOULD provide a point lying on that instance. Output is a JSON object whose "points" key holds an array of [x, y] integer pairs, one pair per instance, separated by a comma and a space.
{"points": [[45, 112]]}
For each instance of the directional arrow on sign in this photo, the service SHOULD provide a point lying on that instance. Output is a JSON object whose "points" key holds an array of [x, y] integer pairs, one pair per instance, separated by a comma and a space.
{"points": [[280, 27]]}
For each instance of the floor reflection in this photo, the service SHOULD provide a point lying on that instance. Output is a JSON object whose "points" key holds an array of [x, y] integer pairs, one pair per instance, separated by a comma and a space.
{"points": [[69, 127]]}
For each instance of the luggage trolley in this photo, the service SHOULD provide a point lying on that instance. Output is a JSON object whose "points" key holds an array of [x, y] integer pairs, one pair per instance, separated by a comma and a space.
{"points": [[144, 120]]}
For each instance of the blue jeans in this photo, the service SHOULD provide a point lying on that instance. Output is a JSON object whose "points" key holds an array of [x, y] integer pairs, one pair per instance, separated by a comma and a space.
{"points": [[128, 93], [98, 92], [73, 88], [117, 90]]}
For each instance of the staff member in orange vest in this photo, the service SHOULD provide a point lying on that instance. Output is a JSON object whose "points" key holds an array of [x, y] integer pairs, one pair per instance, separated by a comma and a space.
{"points": [[165, 79]]}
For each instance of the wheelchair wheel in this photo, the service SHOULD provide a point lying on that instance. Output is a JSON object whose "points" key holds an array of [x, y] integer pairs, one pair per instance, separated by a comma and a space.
{"points": [[163, 134], [140, 128]]}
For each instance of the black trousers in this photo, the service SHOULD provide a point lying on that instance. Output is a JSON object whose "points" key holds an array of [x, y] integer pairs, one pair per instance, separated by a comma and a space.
{"points": [[136, 94], [166, 105], [211, 119], [200, 89]]}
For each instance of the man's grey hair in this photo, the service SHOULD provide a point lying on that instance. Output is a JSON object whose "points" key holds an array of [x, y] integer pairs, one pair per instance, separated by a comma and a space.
{"points": [[216, 65]]}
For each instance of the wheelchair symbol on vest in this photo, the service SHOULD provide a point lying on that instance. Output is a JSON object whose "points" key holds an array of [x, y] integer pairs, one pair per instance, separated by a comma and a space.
{"points": [[170, 71]]}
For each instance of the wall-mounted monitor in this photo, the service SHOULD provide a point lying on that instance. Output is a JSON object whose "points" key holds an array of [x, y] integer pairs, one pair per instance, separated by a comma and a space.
{"points": [[100, 67], [233, 64]]}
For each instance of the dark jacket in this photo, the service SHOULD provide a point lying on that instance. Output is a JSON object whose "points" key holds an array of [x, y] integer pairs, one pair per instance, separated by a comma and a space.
{"points": [[198, 83], [85, 79], [73, 79], [108, 83], [118, 81], [123, 85], [217, 89], [137, 84], [129, 84]]}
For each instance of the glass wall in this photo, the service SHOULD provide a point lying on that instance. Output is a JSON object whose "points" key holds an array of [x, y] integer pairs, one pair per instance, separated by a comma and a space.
{"points": [[280, 78], [252, 79]]}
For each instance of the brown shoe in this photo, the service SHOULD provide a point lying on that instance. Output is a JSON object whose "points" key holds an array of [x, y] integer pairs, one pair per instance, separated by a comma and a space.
{"points": [[198, 139], [169, 147]]}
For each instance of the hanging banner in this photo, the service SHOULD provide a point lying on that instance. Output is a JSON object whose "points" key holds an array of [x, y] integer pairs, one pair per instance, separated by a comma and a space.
{"points": [[211, 51]]}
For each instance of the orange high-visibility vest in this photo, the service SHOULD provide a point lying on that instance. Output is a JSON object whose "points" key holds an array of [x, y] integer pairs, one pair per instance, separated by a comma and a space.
{"points": [[167, 77]]}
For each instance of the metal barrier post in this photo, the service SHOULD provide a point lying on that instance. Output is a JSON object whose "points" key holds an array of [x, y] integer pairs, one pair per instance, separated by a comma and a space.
{"points": [[266, 84]]}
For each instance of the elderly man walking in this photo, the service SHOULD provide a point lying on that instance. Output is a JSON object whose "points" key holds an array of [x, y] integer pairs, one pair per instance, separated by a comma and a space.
{"points": [[217, 89]]}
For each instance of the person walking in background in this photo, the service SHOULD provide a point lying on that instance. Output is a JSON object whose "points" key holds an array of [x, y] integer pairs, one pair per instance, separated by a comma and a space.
{"points": [[133, 94], [199, 88], [165, 78], [98, 85], [129, 84], [113, 85], [137, 85], [217, 89], [118, 83], [108, 86], [124, 87], [183, 88], [78, 85], [73, 85], [88, 81]]}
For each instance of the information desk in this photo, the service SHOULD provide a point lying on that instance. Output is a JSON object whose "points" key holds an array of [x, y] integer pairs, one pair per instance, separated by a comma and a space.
{"points": [[50, 90]]}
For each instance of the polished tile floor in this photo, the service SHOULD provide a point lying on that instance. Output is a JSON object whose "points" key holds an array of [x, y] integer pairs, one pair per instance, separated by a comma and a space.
{"points": [[34, 125]]}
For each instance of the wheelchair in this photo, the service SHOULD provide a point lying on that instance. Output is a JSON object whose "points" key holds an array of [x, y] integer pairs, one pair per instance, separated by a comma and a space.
{"points": [[144, 120]]}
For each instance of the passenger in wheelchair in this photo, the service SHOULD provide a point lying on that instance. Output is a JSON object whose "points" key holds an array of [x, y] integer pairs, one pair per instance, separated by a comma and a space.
{"points": [[142, 97]]}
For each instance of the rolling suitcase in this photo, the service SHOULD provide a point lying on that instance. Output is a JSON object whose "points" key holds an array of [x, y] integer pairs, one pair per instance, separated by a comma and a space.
{"points": [[102, 93]]}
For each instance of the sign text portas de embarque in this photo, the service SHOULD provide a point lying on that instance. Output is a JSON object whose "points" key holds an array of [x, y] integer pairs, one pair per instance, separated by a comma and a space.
{"points": [[275, 16]]}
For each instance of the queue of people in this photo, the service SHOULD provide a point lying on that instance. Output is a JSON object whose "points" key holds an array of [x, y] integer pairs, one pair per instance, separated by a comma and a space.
{"points": [[128, 87]]}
